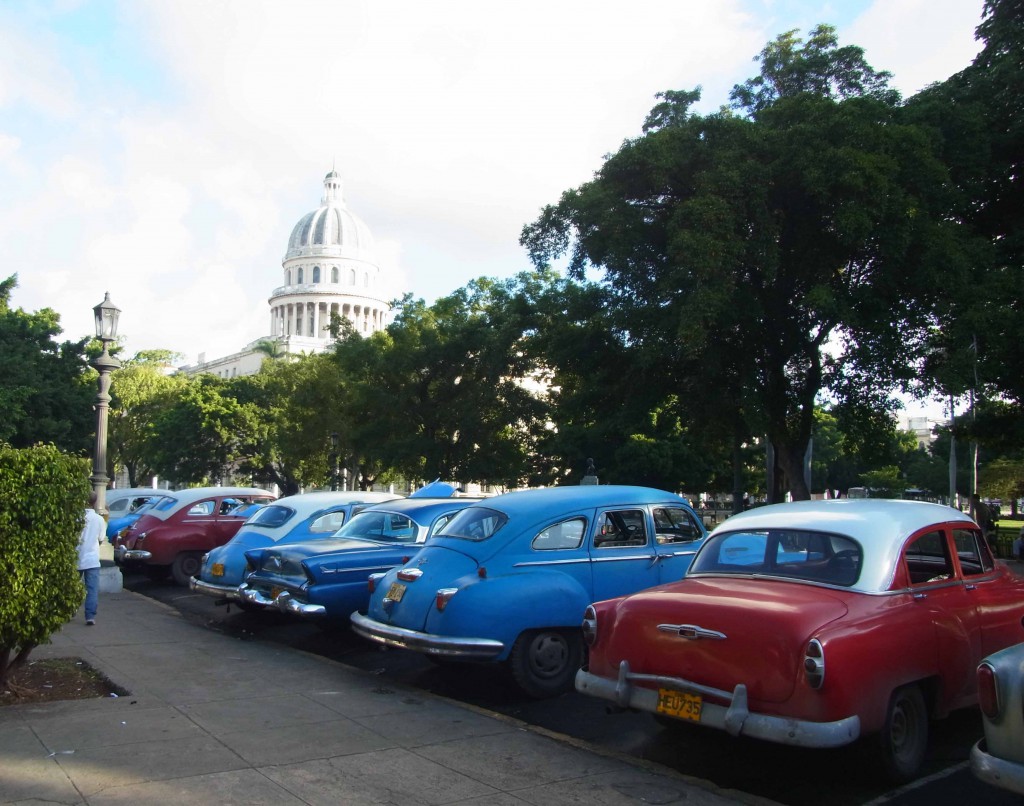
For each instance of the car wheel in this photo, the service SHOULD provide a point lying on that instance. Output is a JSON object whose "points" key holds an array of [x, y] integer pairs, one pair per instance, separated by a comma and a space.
{"points": [[157, 573], [186, 565], [543, 663], [904, 738]]}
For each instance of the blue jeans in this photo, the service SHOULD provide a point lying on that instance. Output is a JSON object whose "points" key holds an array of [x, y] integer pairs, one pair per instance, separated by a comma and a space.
{"points": [[91, 578]]}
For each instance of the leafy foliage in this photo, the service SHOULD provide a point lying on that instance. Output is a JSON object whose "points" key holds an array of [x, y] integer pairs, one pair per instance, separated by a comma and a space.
{"points": [[43, 493]]}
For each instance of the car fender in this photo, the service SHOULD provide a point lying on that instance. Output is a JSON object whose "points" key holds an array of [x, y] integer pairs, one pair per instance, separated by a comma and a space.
{"points": [[166, 544], [536, 600]]}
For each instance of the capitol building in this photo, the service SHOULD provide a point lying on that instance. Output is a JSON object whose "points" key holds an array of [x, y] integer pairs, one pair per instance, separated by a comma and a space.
{"points": [[329, 270]]}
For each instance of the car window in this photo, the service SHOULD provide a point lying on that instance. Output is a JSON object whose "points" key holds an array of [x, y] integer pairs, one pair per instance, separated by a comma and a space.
{"points": [[674, 525], [380, 526], [620, 528], [474, 523], [927, 558], [440, 522], [973, 551], [138, 503], [118, 507], [271, 517], [328, 522], [202, 508], [165, 503], [564, 535], [793, 553]]}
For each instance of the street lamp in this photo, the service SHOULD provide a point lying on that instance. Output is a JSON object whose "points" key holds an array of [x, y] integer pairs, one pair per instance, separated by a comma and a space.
{"points": [[107, 314], [334, 461]]}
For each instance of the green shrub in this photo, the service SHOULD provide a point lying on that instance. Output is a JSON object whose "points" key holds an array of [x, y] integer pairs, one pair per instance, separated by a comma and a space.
{"points": [[43, 495]]}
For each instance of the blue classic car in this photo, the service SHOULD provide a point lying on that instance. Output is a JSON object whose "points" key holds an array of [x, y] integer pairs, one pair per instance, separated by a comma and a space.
{"points": [[120, 520], [327, 579], [310, 516], [509, 578]]}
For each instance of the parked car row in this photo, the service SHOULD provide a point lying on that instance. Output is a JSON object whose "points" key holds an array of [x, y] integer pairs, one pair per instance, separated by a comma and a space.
{"points": [[811, 624]]}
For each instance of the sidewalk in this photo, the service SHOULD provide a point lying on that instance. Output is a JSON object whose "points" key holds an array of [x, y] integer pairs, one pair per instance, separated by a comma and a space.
{"points": [[214, 719]]}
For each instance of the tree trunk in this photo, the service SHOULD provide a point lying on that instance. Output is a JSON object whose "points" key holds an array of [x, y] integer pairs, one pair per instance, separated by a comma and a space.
{"points": [[791, 458], [8, 667]]}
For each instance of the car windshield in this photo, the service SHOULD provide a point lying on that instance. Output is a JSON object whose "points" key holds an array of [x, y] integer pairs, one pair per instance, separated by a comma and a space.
{"points": [[270, 517], [474, 523], [378, 525], [793, 553]]}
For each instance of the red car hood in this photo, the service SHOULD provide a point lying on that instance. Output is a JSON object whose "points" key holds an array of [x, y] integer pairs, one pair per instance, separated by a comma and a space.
{"points": [[766, 626]]}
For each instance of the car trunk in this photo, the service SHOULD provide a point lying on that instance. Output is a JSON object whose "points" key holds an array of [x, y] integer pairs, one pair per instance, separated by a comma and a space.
{"points": [[765, 624], [416, 596]]}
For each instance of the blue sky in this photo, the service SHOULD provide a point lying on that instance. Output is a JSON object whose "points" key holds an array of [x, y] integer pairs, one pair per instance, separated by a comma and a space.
{"points": [[162, 150]]}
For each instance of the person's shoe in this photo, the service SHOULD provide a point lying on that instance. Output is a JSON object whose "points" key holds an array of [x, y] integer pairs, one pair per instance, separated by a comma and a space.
{"points": [[89, 622]]}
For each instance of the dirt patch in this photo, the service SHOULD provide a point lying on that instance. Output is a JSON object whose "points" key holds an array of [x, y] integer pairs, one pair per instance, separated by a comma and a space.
{"points": [[56, 679]]}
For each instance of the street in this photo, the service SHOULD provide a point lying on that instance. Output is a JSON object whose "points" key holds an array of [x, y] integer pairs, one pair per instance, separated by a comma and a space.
{"points": [[787, 775]]}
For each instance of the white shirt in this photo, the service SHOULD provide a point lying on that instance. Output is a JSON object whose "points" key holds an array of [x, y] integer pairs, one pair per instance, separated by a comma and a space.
{"points": [[89, 540]]}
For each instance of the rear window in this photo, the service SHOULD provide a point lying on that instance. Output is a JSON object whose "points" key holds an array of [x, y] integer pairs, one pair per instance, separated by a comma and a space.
{"points": [[796, 554], [271, 517], [474, 523], [380, 526], [165, 503]]}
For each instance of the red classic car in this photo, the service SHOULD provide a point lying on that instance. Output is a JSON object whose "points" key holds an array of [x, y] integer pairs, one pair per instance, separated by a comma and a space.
{"points": [[172, 536], [813, 624]]}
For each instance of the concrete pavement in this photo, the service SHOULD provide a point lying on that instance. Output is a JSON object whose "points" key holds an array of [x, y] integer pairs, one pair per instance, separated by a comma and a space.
{"points": [[214, 719]]}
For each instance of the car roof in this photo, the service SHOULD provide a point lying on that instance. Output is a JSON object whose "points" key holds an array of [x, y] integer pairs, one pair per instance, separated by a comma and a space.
{"points": [[422, 506], [118, 493], [880, 526], [581, 496], [319, 499]]}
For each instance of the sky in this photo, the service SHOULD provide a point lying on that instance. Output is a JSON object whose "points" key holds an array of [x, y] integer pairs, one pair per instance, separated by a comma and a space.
{"points": [[162, 150]]}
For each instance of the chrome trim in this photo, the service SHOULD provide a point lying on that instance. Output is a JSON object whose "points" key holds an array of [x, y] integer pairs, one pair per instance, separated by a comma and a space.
{"points": [[253, 596], [533, 563], [230, 592], [287, 603], [370, 568], [736, 718], [410, 574], [692, 632], [121, 554], [448, 646], [996, 771]]}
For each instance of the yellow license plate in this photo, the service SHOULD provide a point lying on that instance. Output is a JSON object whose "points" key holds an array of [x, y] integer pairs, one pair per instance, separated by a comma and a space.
{"points": [[275, 592], [679, 705], [217, 569], [396, 592]]}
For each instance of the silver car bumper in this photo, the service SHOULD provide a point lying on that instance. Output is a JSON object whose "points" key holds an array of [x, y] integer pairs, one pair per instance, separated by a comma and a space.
{"points": [[999, 772], [449, 646], [123, 555], [284, 602], [229, 592], [736, 718]]}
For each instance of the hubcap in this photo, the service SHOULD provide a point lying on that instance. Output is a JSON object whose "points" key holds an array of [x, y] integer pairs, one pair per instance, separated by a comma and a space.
{"points": [[549, 654]]}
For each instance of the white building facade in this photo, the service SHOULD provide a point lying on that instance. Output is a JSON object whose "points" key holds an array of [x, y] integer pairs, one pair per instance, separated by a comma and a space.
{"points": [[329, 271]]}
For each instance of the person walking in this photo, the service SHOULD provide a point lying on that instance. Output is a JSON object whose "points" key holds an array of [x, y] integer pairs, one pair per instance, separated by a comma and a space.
{"points": [[89, 558]]}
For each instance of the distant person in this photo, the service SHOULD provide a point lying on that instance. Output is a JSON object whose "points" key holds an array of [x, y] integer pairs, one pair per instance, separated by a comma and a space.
{"points": [[1018, 546], [89, 558]]}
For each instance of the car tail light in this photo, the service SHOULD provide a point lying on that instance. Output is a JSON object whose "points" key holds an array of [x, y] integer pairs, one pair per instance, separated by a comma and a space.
{"points": [[590, 625], [372, 580], [814, 664], [988, 691], [443, 596]]}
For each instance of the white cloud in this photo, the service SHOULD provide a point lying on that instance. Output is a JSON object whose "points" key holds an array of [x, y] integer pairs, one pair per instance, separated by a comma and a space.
{"points": [[171, 175]]}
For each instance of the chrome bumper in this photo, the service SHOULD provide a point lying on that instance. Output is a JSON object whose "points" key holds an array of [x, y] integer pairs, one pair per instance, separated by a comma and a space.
{"points": [[735, 719], [123, 555], [448, 646], [284, 602], [229, 592], [999, 772]]}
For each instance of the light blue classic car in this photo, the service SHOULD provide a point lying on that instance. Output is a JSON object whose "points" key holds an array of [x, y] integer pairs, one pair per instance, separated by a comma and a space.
{"points": [[998, 759], [327, 579], [309, 516], [509, 578]]}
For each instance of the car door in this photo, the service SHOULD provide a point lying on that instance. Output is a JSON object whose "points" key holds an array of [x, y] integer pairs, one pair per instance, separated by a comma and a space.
{"points": [[997, 598], [939, 592], [623, 556], [677, 536]]}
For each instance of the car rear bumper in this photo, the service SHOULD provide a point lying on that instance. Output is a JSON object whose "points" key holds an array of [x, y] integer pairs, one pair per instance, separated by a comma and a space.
{"points": [[448, 646], [284, 601], [736, 718], [996, 771], [217, 591], [124, 555]]}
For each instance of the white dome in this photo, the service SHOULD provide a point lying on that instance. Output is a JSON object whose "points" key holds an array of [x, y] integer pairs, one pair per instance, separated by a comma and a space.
{"points": [[332, 229]]}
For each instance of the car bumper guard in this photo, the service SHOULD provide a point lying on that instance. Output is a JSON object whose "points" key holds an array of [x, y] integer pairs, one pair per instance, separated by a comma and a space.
{"points": [[229, 592], [284, 602], [1008, 775], [126, 555]]}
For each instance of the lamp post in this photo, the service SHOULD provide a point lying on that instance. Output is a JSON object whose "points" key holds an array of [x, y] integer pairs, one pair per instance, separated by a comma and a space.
{"points": [[334, 461], [107, 314]]}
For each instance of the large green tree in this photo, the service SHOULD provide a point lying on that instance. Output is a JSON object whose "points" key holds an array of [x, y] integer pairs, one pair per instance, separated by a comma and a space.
{"points": [[46, 390], [778, 250]]}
